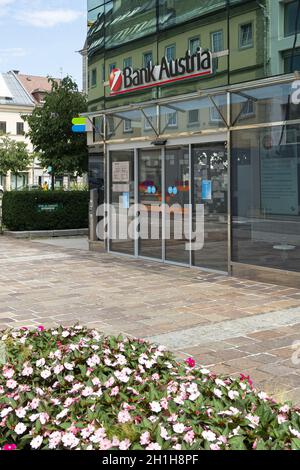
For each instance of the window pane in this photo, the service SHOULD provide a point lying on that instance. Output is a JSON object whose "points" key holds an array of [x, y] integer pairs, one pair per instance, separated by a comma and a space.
{"points": [[266, 197], [290, 16]]}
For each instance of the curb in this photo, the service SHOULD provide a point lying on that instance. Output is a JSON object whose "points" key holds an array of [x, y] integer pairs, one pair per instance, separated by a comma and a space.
{"points": [[47, 233]]}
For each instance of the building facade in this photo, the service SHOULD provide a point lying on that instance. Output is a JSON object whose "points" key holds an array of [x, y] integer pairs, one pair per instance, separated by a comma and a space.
{"points": [[194, 115], [15, 102]]}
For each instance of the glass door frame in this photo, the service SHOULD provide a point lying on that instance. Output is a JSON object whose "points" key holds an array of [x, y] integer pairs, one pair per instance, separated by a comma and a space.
{"points": [[172, 143]]}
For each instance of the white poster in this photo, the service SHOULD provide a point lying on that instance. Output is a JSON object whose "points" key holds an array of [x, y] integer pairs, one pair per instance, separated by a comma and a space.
{"points": [[120, 172]]}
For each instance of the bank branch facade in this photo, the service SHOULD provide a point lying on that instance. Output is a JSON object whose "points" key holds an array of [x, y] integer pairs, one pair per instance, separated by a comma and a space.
{"points": [[194, 133]]}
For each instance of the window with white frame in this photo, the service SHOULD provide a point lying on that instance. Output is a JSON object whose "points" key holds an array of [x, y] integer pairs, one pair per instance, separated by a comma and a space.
{"points": [[215, 115], [246, 35], [170, 53], [127, 125], [247, 109], [171, 119], [217, 41], [194, 43]]}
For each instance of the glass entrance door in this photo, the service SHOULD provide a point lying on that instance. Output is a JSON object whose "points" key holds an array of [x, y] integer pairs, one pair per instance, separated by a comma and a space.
{"points": [[210, 191], [150, 200], [121, 198], [177, 198]]}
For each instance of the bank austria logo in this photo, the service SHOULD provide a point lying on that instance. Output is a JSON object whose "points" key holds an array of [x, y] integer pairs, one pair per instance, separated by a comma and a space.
{"points": [[115, 80], [187, 67]]}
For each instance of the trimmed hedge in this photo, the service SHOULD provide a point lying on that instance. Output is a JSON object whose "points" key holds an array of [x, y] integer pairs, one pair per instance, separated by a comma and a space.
{"points": [[27, 210]]}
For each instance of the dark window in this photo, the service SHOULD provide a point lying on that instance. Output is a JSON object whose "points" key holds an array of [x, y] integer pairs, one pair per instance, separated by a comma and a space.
{"points": [[290, 16], [20, 128], [291, 61], [128, 62], [148, 59], [94, 77], [193, 116], [2, 127]]}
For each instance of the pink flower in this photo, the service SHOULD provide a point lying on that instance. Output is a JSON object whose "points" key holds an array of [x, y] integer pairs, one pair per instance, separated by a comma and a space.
{"points": [[145, 438], [10, 447], [124, 445], [41, 328], [246, 378], [124, 417], [215, 447], [153, 446], [189, 437], [190, 362], [8, 372]]}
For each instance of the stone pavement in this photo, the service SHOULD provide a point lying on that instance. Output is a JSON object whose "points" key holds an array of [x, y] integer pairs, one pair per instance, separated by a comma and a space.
{"points": [[231, 325]]}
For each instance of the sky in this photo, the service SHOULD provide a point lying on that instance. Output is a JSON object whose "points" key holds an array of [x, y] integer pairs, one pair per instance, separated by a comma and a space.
{"points": [[41, 37]]}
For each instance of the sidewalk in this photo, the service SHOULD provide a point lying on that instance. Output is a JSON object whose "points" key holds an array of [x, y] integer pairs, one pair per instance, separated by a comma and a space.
{"points": [[231, 325]]}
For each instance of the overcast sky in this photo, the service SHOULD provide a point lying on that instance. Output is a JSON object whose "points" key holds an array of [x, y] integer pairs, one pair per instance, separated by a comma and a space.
{"points": [[41, 37]]}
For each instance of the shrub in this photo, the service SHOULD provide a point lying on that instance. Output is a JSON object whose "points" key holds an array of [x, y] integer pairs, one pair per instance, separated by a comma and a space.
{"points": [[27, 210], [71, 388]]}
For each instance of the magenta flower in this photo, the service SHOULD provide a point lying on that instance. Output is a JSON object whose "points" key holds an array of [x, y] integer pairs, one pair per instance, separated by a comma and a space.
{"points": [[10, 447], [41, 328], [190, 362]]}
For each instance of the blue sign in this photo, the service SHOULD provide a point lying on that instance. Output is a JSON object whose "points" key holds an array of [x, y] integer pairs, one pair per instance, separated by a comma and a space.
{"points": [[207, 190], [149, 190], [126, 202], [172, 190], [153, 189]]}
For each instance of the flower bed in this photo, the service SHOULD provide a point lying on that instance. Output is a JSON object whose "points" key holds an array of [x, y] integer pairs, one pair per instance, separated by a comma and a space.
{"points": [[74, 389]]}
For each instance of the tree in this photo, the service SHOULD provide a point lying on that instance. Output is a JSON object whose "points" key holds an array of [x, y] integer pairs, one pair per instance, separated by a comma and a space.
{"points": [[51, 129], [14, 156]]}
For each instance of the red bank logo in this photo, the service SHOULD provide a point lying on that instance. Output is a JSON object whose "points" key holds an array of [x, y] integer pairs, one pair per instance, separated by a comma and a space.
{"points": [[115, 80]]}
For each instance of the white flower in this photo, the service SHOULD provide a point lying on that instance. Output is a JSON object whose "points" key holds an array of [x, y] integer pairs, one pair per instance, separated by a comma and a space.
{"points": [[58, 369], [233, 394], [294, 432], [179, 428], [155, 407], [194, 396], [20, 429], [21, 413], [27, 371], [5, 412], [62, 414], [254, 420], [69, 440], [45, 374], [281, 418], [263, 396], [284, 409], [65, 334], [40, 362], [218, 392], [220, 383], [209, 436], [36, 442]]}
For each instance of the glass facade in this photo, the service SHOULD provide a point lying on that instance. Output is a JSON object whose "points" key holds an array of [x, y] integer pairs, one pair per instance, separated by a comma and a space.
{"points": [[228, 141], [266, 197], [147, 31]]}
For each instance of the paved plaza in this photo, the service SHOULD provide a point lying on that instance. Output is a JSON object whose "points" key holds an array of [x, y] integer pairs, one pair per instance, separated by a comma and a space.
{"points": [[231, 325]]}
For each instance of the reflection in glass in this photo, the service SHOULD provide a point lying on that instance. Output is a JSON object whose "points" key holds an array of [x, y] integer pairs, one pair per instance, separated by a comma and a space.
{"points": [[193, 115], [210, 188], [266, 197], [137, 123], [177, 199], [264, 104], [150, 196]]}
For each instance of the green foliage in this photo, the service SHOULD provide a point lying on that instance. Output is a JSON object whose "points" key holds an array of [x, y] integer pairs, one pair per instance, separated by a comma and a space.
{"points": [[51, 129], [14, 156], [21, 210]]}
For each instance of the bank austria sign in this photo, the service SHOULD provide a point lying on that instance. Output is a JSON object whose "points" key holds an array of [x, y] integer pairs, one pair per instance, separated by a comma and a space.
{"points": [[187, 67]]}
